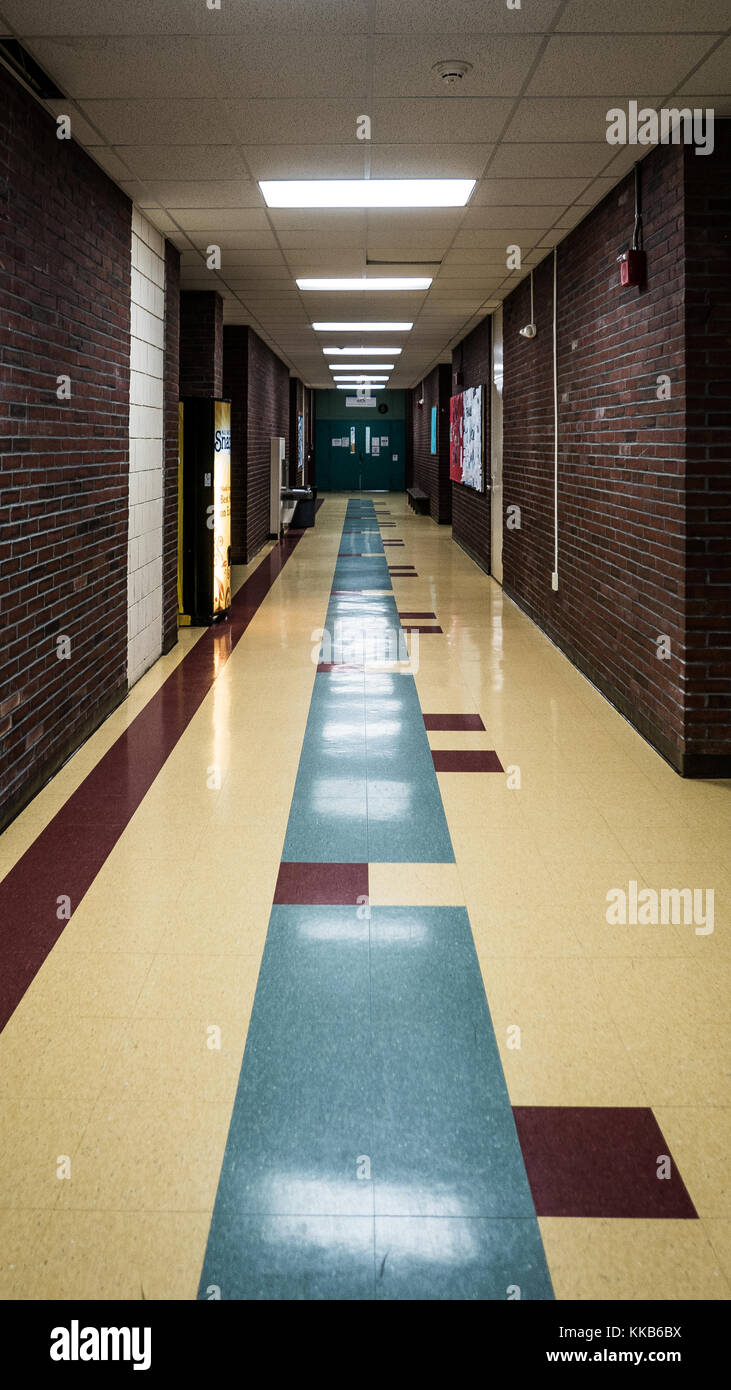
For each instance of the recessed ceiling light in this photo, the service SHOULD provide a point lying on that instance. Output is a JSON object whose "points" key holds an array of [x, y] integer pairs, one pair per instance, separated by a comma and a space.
{"points": [[380, 377], [351, 389], [366, 193], [362, 328], [368, 283], [361, 366], [351, 351]]}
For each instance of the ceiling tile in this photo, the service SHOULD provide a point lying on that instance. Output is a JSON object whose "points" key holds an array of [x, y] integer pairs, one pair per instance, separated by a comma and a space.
{"points": [[550, 160], [125, 66], [192, 193], [657, 15], [577, 65], [440, 120], [165, 17], [221, 220], [499, 66], [292, 64], [305, 161], [171, 121], [513, 192], [714, 76], [566, 119], [472, 17], [183, 161], [429, 161]]}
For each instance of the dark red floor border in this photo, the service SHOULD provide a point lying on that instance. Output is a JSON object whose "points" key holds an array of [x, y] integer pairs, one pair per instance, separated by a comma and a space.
{"points": [[66, 857]]}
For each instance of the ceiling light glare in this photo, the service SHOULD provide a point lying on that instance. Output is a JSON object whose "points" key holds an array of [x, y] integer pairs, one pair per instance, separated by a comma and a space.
{"points": [[371, 387], [361, 366], [366, 193], [352, 351], [368, 283], [362, 328]]}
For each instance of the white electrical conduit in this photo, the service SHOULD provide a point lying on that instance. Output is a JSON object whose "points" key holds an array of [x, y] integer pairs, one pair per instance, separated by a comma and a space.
{"points": [[555, 424]]}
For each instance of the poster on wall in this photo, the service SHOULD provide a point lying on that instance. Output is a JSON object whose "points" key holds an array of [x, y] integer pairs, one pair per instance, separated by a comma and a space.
{"points": [[465, 438], [222, 507], [300, 443], [434, 429], [456, 423], [472, 439]]}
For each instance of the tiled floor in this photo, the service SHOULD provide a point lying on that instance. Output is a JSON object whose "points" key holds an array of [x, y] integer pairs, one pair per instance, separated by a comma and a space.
{"points": [[379, 864]]}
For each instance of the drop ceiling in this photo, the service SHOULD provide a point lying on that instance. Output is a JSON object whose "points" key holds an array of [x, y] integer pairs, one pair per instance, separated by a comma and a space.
{"points": [[187, 107]]}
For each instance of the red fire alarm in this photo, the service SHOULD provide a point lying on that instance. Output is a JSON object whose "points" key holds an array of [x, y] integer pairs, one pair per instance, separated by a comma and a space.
{"points": [[632, 266]]}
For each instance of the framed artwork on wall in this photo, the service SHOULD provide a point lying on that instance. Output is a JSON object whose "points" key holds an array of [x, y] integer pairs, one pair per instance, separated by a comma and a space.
{"points": [[434, 449], [466, 445]]}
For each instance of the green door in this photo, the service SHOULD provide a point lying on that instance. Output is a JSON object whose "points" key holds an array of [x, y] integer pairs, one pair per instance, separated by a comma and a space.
{"points": [[360, 456]]}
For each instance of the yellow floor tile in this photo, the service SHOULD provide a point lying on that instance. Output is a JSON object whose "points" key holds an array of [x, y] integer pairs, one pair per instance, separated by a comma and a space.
{"points": [[621, 1260], [699, 1139], [415, 885]]}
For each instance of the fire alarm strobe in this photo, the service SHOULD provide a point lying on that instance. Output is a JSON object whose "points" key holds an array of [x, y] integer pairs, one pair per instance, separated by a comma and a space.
{"points": [[632, 266]]}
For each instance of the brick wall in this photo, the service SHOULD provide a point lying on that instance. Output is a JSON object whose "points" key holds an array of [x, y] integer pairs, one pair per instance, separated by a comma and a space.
{"points": [[171, 390], [430, 471], [65, 238], [267, 415], [201, 343], [235, 387], [708, 494], [470, 509], [622, 453]]}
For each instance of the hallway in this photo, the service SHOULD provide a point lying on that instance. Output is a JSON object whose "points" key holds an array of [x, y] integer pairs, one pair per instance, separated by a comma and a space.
{"points": [[341, 1004]]}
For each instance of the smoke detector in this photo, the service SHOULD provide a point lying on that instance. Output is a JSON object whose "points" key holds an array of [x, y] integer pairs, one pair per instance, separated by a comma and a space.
{"points": [[452, 71]]}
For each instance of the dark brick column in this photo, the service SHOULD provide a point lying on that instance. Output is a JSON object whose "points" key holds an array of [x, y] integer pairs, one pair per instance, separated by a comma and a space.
{"points": [[201, 343]]}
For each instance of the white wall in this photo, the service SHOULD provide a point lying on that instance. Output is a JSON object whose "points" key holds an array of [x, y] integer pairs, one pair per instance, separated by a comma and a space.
{"points": [[144, 566]]}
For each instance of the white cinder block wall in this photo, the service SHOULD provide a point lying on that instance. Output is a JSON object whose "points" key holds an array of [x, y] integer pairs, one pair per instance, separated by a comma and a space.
{"points": [[144, 564]]}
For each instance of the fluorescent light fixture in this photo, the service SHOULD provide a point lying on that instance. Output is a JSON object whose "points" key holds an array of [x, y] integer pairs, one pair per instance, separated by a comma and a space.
{"points": [[354, 389], [362, 328], [360, 378], [368, 283], [366, 193], [361, 366], [353, 351]]}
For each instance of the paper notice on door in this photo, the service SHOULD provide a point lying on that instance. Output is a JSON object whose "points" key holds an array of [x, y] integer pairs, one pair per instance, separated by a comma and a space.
{"points": [[336, 443], [394, 458], [384, 440], [344, 441], [375, 447]]}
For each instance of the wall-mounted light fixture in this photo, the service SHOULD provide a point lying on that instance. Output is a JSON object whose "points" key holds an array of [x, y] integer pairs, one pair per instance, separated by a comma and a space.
{"points": [[530, 329]]}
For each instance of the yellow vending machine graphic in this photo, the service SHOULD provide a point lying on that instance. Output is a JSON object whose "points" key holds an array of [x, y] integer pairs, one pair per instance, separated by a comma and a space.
{"points": [[222, 507], [206, 521]]}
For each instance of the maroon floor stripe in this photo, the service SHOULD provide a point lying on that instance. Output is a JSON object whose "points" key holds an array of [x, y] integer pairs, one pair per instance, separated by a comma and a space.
{"points": [[419, 627], [66, 857], [452, 721], [417, 615], [321, 883], [599, 1161], [465, 760]]}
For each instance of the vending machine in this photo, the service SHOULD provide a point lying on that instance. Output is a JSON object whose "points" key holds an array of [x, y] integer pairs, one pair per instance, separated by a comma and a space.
{"points": [[204, 554]]}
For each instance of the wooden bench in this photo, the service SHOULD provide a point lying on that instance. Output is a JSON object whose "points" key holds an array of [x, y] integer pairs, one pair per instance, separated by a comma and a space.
{"points": [[418, 500]]}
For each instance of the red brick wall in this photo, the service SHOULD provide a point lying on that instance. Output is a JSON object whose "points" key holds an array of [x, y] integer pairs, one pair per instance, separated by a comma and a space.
{"points": [[170, 446], [267, 415], [65, 242], [235, 378], [201, 343], [430, 471], [470, 509], [622, 453], [708, 496]]}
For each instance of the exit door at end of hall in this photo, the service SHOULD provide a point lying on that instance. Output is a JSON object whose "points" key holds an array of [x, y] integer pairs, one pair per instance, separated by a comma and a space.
{"points": [[356, 456]]}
